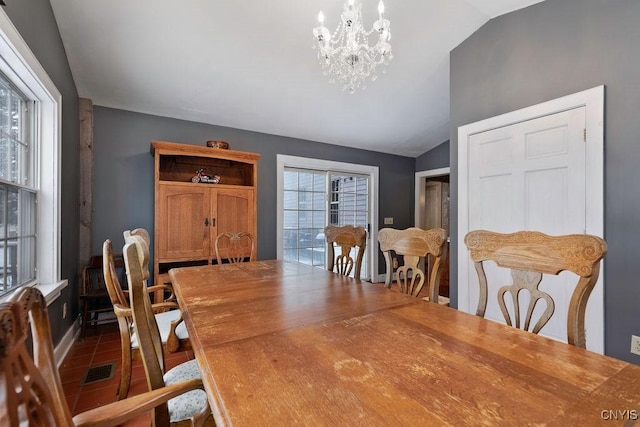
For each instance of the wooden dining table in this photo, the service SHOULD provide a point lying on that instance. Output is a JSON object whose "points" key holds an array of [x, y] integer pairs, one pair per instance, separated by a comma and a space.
{"points": [[281, 343]]}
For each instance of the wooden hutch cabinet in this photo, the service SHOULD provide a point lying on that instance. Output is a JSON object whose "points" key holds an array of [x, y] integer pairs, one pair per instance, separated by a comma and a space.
{"points": [[189, 215]]}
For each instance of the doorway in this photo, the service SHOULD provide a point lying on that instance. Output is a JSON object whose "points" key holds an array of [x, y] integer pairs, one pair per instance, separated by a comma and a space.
{"points": [[432, 211], [313, 199], [331, 192]]}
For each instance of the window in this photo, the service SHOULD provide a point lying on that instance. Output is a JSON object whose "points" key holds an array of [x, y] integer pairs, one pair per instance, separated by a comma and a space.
{"points": [[30, 111], [314, 193], [349, 199], [334, 206], [17, 191], [305, 207]]}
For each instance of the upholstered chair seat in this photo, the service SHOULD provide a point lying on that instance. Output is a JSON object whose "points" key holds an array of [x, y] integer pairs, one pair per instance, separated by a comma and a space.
{"points": [[190, 404], [165, 321]]}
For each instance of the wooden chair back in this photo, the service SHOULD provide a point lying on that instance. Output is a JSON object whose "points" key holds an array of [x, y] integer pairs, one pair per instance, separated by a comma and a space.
{"points": [[150, 340], [122, 309], [347, 237], [144, 320], [235, 247], [30, 386], [529, 255], [120, 301], [414, 244], [111, 276], [140, 232], [94, 297], [140, 235]]}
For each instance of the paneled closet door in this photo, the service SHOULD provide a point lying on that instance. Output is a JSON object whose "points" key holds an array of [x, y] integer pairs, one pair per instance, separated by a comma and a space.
{"points": [[529, 176]]}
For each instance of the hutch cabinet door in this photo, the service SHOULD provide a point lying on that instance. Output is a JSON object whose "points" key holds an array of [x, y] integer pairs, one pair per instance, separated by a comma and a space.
{"points": [[184, 218], [232, 210]]}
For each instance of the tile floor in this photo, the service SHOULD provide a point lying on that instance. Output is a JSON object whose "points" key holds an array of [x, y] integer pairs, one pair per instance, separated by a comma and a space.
{"points": [[101, 345]]}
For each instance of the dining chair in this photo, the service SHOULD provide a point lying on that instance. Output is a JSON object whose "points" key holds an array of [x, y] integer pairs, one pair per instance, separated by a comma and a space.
{"points": [[172, 330], [530, 255], [347, 237], [192, 407], [94, 299], [30, 386], [415, 245], [163, 291], [235, 247], [140, 232]]}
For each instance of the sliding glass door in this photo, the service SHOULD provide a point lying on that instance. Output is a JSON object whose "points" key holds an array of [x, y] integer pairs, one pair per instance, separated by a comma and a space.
{"points": [[305, 213], [349, 205], [313, 199]]}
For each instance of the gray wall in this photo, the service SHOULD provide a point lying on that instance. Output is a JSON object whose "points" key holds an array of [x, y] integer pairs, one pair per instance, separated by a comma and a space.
{"points": [[436, 158], [546, 51], [123, 187], [35, 21]]}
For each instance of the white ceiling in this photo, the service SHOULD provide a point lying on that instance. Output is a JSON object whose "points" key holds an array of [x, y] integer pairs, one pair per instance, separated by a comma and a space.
{"points": [[249, 64]]}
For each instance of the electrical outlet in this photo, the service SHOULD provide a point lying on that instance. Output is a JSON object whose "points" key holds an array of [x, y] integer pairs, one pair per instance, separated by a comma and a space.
{"points": [[395, 263], [635, 345], [64, 310], [388, 220]]}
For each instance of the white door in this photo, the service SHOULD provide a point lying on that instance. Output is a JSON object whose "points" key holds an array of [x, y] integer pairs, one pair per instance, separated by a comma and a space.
{"points": [[529, 176]]}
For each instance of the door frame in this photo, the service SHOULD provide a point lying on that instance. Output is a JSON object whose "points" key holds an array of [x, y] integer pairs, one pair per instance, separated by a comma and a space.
{"points": [[283, 160], [420, 183], [593, 101]]}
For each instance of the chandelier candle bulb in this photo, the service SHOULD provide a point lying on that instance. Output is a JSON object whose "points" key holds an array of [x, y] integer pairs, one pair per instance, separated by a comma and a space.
{"points": [[347, 56]]}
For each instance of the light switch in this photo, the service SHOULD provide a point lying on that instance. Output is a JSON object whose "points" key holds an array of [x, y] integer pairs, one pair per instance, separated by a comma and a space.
{"points": [[388, 220]]}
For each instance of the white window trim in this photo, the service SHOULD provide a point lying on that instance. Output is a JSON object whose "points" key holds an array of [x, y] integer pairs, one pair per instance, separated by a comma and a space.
{"points": [[317, 164], [21, 66]]}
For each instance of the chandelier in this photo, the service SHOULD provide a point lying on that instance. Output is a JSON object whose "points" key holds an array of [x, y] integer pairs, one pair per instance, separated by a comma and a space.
{"points": [[346, 56]]}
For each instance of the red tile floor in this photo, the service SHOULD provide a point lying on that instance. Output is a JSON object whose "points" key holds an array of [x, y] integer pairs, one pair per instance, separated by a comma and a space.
{"points": [[101, 345]]}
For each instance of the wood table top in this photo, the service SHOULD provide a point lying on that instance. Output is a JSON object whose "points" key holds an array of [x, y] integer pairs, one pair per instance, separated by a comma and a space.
{"points": [[282, 343]]}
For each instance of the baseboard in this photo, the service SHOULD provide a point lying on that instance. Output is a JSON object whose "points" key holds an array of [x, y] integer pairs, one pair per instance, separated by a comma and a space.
{"points": [[67, 341], [381, 278]]}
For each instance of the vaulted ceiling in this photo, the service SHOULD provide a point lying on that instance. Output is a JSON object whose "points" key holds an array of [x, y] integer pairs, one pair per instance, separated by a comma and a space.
{"points": [[249, 64]]}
